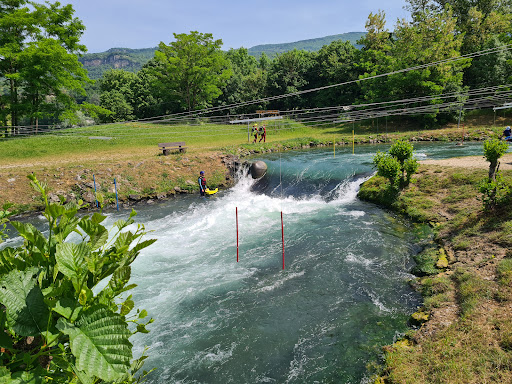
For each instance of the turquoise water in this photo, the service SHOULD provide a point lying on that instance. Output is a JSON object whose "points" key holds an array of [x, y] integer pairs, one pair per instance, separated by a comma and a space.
{"points": [[343, 292]]}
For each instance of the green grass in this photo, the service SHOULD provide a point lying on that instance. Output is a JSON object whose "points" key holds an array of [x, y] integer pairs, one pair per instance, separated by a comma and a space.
{"points": [[132, 135]]}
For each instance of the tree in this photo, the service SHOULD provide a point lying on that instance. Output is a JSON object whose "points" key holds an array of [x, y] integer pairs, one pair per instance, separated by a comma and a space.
{"points": [[191, 70], [38, 57], [334, 64], [288, 74], [59, 323], [116, 95], [480, 23], [430, 38], [246, 84], [374, 58]]}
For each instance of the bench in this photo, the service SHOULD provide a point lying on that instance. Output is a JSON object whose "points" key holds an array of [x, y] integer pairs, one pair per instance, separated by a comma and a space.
{"points": [[167, 147]]}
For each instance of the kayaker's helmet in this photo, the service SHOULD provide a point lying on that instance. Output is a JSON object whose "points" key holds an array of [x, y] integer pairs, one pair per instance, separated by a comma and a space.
{"points": [[201, 173]]}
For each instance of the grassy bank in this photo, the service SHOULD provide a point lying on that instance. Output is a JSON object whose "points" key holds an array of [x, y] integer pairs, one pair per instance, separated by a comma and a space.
{"points": [[466, 279]]}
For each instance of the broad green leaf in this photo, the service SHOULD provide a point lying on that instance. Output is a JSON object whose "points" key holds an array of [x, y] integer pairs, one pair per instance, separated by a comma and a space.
{"points": [[99, 342], [26, 310], [9, 261], [143, 314], [5, 376], [142, 328], [55, 210], [98, 234], [98, 218], [126, 307], [120, 278], [82, 376], [27, 378], [67, 307], [143, 244], [66, 226], [71, 260]]}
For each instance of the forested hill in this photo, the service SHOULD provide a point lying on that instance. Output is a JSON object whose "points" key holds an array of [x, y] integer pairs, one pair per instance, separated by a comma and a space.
{"points": [[306, 45], [133, 59]]}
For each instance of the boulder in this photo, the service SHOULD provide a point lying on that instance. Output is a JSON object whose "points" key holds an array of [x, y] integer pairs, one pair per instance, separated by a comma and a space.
{"points": [[258, 169]]}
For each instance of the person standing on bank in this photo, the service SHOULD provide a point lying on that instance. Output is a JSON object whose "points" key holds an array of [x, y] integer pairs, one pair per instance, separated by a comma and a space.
{"points": [[255, 132], [202, 183], [263, 134]]}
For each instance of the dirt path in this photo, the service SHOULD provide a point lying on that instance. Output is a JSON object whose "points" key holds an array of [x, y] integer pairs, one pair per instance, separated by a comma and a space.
{"points": [[471, 162]]}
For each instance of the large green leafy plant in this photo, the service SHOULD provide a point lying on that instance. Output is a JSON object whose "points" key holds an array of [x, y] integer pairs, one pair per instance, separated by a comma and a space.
{"points": [[58, 323]]}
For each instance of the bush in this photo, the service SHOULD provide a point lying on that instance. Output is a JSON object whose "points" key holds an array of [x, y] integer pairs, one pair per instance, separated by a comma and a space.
{"points": [[398, 165], [57, 322], [495, 192], [493, 150]]}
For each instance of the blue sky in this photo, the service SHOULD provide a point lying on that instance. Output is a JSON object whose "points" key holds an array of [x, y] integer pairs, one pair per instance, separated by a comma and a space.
{"points": [[145, 23]]}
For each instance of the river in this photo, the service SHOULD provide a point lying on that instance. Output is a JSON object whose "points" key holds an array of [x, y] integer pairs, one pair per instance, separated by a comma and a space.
{"points": [[343, 292]]}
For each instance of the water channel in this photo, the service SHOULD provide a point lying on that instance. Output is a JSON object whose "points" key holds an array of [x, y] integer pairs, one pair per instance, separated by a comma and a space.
{"points": [[343, 293]]}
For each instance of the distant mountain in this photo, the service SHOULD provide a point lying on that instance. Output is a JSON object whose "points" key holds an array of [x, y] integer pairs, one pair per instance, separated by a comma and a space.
{"points": [[133, 59], [116, 58], [311, 45]]}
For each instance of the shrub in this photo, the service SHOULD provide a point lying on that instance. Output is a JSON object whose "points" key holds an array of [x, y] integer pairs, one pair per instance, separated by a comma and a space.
{"points": [[493, 150], [495, 192], [59, 323], [398, 165], [388, 167]]}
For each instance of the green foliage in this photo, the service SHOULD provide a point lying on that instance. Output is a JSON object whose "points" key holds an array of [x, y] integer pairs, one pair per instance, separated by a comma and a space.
{"points": [[398, 165], [494, 149], [49, 291], [191, 70], [388, 167], [38, 46], [495, 192]]}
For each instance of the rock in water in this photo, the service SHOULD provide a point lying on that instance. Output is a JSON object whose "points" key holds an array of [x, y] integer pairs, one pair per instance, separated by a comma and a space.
{"points": [[258, 169]]}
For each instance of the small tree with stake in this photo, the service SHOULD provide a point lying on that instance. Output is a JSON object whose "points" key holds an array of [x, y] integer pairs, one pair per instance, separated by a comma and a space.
{"points": [[494, 190]]}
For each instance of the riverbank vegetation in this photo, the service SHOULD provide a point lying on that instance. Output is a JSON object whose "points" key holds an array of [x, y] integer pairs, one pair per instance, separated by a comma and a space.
{"points": [[462, 333]]}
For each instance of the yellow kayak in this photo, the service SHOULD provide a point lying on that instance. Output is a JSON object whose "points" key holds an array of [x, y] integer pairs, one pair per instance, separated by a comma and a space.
{"points": [[211, 191]]}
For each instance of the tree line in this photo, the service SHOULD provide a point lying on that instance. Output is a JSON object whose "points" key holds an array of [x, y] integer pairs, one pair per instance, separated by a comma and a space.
{"points": [[43, 82]]}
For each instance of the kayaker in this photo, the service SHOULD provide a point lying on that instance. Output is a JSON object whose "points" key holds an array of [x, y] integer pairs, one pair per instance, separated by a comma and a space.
{"points": [[202, 183]]}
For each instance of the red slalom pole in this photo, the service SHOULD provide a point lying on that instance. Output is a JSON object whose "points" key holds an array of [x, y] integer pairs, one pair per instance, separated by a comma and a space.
{"points": [[237, 234], [282, 234]]}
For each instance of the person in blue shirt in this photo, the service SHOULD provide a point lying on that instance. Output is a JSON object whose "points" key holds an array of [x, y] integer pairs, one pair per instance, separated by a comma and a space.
{"points": [[507, 133], [202, 183]]}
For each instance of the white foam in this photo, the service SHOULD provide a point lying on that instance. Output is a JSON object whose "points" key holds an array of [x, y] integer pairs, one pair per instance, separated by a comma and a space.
{"points": [[280, 282]]}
